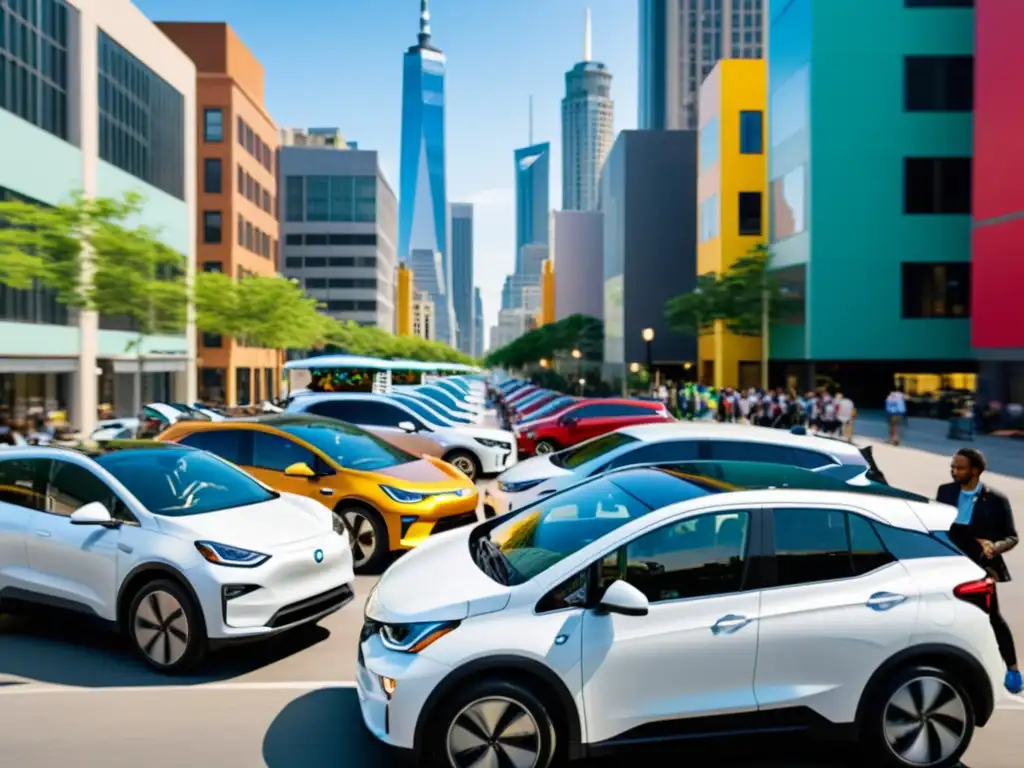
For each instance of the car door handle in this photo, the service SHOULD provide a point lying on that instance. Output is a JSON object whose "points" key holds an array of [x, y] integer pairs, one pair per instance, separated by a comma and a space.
{"points": [[883, 601], [546, 491], [43, 534], [729, 624], [326, 492]]}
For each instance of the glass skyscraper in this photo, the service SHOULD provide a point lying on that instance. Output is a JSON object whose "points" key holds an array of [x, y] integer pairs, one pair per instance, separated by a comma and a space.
{"points": [[533, 184], [462, 273], [423, 228]]}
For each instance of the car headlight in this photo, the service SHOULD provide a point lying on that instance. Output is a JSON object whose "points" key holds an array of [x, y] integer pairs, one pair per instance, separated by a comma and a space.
{"points": [[523, 485], [401, 496], [234, 557], [488, 443], [413, 638]]}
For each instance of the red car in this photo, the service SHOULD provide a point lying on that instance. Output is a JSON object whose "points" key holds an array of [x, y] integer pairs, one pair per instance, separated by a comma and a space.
{"points": [[587, 419], [524, 410]]}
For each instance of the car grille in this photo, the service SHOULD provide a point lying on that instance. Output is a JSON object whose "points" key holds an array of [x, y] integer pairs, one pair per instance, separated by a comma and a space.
{"points": [[312, 606], [453, 522]]}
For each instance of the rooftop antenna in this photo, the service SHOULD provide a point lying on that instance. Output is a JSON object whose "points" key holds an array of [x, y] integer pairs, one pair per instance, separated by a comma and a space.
{"points": [[531, 121], [586, 38], [424, 23]]}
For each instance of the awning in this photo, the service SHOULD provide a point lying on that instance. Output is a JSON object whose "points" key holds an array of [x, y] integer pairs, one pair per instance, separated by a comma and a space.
{"points": [[38, 364], [150, 366]]}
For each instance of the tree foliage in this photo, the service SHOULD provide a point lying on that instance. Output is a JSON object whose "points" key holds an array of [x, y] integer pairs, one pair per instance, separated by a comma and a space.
{"points": [[574, 332], [737, 297]]}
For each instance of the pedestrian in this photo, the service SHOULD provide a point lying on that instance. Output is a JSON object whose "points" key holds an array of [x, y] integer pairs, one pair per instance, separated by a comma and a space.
{"points": [[896, 408], [984, 531], [846, 412]]}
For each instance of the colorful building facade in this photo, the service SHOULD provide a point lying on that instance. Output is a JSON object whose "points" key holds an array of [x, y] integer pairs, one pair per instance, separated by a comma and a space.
{"points": [[732, 199]]}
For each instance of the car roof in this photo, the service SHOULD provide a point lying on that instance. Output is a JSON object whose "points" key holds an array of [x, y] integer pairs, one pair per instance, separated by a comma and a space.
{"points": [[89, 449], [699, 430]]}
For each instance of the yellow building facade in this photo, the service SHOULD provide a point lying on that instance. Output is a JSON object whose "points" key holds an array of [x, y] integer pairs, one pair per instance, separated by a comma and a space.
{"points": [[547, 293], [403, 301], [732, 194]]}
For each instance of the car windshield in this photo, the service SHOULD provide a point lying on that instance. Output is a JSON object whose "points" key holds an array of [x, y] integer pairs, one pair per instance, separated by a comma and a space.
{"points": [[424, 412], [556, 405], [348, 446], [581, 457], [179, 482], [532, 540], [434, 393]]}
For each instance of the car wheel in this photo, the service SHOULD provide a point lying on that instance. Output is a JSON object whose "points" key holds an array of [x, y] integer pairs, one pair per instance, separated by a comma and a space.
{"points": [[368, 538], [465, 462], [492, 722], [166, 627], [921, 717], [545, 447]]}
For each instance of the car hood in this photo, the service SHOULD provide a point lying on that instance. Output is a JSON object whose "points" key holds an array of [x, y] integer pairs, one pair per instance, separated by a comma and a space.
{"points": [[487, 433], [260, 527], [437, 581], [533, 426], [533, 468], [426, 474]]}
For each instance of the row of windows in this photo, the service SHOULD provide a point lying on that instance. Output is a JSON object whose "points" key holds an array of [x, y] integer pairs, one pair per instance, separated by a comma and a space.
{"points": [[32, 305], [142, 120], [335, 305], [254, 192], [936, 290], [320, 283], [34, 63], [331, 198], [320, 262], [31, 97], [255, 239], [255, 146], [330, 239]]}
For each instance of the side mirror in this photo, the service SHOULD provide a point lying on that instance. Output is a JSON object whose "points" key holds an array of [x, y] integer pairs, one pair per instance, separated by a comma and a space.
{"points": [[623, 598], [300, 469], [93, 513], [407, 426]]}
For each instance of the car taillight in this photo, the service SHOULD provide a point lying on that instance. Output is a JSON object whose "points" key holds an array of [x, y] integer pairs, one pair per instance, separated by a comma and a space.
{"points": [[978, 593]]}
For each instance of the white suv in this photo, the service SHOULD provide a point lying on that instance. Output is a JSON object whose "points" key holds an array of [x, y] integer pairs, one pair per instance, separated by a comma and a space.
{"points": [[643, 606], [175, 547]]}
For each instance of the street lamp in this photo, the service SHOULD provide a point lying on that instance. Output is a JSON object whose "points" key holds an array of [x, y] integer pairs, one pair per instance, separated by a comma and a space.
{"points": [[648, 334], [634, 367], [583, 383], [579, 357], [543, 362]]}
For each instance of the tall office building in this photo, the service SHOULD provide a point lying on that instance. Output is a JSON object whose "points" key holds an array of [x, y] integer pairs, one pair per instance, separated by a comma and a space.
{"points": [[462, 274], [423, 233], [533, 199], [588, 116], [478, 324], [680, 43]]}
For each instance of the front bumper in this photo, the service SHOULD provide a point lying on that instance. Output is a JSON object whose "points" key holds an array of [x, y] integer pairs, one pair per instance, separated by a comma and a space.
{"points": [[494, 461], [415, 527]]}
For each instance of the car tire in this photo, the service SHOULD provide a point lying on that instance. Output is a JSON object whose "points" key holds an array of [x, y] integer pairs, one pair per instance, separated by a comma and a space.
{"points": [[515, 716], [465, 462], [919, 717], [368, 538], [165, 627], [545, 446]]}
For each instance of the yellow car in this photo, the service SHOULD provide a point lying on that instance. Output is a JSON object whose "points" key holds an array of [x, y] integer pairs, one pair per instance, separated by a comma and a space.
{"points": [[389, 500]]}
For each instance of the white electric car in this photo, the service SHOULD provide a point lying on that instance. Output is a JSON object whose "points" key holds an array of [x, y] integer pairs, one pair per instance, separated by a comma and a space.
{"points": [[473, 450], [175, 547], [645, 605], [678, 441]]}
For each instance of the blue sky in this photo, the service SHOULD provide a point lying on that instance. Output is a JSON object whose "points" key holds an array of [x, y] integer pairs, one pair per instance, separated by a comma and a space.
{"points": [[339, 63]]}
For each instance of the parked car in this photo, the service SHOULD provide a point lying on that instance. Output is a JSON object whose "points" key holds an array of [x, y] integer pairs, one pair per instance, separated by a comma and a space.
{"points": [[176, 548], [676, 441], [629, 607], [474, 451], [587, 419], [388, 499], [447, 399], [531, 404], [552, 408]]}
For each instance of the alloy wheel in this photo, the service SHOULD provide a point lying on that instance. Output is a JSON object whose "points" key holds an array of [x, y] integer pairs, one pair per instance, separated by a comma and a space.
{"points": [[161, 628], [465, 465], [362, 537], [544, 448], [925, 721], [496, 732]]}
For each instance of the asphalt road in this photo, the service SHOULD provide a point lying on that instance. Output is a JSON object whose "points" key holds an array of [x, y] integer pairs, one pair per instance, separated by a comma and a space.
{"points": [[68, 697]]}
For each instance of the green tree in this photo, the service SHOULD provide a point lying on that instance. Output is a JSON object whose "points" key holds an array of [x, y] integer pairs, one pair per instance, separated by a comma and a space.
{"points": [[545, 343], [697, 311]]}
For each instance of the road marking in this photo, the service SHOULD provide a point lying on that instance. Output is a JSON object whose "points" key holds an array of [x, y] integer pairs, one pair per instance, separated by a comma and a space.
{"points": [[17, 688]]}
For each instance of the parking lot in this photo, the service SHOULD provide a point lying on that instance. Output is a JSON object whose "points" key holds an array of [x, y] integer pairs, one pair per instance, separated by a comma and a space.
{"points": [[68, 698]]}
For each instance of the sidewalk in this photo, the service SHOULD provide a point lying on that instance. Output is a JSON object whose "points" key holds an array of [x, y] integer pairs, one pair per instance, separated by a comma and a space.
{"points": [[1005, 455]]}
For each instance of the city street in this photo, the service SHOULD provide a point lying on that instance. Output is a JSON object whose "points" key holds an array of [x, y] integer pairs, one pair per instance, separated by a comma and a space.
{"points": [[67, 698]]}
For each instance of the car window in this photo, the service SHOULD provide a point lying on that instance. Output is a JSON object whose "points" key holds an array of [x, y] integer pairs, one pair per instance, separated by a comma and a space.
{"points": [[734, 450], [657, 453], [579, 457], [555, 406], [866, 547], [808, 459], [550, 530], [71, 487], [367, 412], [814, 545], [342, 410], [699, 557], [183, 482], [625, 409], [23, 482], [276, 453], [421, 410], [349, 446], [234, 445], [571, 593]]}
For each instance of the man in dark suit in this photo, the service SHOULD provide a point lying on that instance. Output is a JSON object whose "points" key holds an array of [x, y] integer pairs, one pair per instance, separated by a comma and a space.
{"points": [[984, 531]]}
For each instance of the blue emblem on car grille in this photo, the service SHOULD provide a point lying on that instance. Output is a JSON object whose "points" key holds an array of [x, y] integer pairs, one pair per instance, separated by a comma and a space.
{"points": [[319, 555], [461, 492]]}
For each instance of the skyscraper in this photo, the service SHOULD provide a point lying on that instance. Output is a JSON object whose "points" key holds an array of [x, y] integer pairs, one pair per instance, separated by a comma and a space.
{"points": [[680, 43], [478, 324], [462, 273], [423, 234], [588, 114], [533, 183]]}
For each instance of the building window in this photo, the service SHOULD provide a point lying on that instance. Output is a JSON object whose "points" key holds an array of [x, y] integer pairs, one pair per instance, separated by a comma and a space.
{"points": [[212, 227], [142, 120], [938, 83], [318, 197], [241, 230], [937, 185], [709, 218], [366, 198], [212, 176], [293, 239], [709, 143], [294, 198], [937, 290], [751, 133], [213, 266], [788, 204], [213, 125], [750, 213], [212, 341], [938, 3]]}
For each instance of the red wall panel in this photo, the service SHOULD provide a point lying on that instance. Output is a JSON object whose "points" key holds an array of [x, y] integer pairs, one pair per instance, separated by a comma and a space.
{"points": [[997, 275], [998, 108]]}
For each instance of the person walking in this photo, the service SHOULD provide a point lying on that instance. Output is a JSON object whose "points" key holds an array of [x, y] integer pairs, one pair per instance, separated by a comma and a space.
{"points": [[846, 412], [896, 408], [984, 531]]}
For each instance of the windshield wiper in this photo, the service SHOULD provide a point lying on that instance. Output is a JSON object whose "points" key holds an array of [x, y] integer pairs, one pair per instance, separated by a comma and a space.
{"points": [[492, 561]]}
